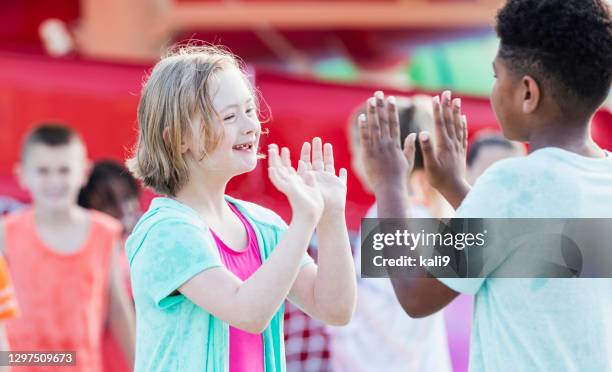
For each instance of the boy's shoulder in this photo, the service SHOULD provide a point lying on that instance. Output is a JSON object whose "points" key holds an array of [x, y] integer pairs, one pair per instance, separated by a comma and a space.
{"points": [[543, 164], [104, 221], [19, 216]]}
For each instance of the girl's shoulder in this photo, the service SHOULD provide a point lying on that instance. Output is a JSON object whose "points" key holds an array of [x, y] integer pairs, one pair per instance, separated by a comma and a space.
{"points": [[257, 213]]}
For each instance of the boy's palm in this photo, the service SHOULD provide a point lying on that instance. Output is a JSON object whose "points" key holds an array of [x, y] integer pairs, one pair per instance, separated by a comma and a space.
{"points": [[379, 138], [445, 160]]}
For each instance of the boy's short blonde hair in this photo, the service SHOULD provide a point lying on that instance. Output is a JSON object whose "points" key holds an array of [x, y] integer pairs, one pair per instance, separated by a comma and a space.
{"points": [[176, 92], [50, 134]]}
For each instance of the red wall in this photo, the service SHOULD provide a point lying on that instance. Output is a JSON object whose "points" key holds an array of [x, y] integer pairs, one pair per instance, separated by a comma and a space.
{"points": [[100, 99]]}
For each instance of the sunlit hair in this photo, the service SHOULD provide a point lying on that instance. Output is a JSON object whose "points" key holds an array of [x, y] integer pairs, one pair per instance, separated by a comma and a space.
{"points": [[176, 93]]}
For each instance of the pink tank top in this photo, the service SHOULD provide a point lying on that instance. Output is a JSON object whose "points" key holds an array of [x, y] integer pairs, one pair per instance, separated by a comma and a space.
{"points": [[246, 349], [63, 297]]}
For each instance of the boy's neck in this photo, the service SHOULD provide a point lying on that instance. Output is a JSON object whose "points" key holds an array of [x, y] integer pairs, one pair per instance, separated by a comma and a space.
{"points": [[572, 137], [56, 216]]}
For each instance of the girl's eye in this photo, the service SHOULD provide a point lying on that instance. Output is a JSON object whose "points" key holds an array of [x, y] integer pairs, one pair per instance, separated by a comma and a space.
{"points": [[229, 117], [250, 111]]}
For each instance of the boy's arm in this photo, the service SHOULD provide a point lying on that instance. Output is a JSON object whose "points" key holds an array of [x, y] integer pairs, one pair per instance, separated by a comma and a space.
{"points": [[328, 292], [421, 294], [121, 310]]}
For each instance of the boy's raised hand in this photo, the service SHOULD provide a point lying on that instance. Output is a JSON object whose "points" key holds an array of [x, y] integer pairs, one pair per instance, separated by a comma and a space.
{"points": [[445, 157], [379, 136], [332, 186], [302, 191]]}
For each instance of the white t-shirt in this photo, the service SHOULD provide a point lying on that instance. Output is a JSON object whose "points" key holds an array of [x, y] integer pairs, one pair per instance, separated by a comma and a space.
{"points": [[381, 336], [541, 324]]}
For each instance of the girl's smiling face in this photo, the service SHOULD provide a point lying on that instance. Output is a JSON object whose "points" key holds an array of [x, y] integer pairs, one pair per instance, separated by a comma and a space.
{"points": [[236, 151]]}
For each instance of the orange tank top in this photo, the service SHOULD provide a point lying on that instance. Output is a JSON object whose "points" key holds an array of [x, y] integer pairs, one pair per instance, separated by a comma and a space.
{"points": [[63, 298]]}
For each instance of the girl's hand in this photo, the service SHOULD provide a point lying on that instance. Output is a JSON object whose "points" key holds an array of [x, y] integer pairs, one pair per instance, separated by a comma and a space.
{"points": [[445, 158], [332, 186], [301, 190]]}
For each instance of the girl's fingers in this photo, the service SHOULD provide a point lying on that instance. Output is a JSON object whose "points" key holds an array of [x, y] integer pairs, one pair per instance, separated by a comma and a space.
{"points": [[302, 167], [305, 152], [328, 158], [273, 157], [458, 127], [393, 115], [317, 154], [381, 113], [285, 157], [343, 175]]}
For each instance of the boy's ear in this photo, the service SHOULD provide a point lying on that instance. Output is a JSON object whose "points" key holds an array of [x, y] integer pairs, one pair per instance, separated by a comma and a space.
{"points": [[87, 172], [18, 173], [531, 94]]}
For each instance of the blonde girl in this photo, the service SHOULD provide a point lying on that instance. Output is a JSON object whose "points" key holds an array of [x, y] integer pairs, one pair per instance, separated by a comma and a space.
{"points": [[210, 272]]}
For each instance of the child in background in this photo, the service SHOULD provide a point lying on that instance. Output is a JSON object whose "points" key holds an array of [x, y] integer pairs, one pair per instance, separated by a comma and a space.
{"points": [[380, 336], [63, 258], [112, 189], [8, 305], [553, 72], [210, 272], [487, 149]]}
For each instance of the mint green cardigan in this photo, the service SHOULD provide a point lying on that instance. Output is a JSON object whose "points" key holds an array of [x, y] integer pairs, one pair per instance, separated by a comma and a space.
{"points": [[169, 245]]}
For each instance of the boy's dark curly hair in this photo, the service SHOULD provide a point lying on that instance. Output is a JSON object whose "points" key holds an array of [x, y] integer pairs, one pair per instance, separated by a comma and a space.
{"points": [[564, 44]]}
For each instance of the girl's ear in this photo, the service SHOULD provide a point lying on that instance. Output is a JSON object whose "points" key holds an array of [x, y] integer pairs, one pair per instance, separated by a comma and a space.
{"points": [[530, 90], [184, 141]]}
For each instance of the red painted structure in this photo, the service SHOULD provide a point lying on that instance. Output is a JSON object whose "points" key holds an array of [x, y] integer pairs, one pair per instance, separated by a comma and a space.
{"points": [[100, 100]]}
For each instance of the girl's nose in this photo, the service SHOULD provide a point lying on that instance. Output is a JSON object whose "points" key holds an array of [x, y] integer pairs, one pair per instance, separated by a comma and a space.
{"points": [[251, 125]]}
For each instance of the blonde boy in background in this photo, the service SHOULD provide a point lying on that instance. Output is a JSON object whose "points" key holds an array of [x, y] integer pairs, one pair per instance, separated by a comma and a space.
{"points": [[381, 336], [63, 257]]}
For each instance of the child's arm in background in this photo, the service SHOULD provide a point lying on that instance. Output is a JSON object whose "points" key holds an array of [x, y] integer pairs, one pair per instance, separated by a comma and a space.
{"points": [[4, 345], [386, 166], [328, 291], [250, 305], [121, 310], [8, 304]]}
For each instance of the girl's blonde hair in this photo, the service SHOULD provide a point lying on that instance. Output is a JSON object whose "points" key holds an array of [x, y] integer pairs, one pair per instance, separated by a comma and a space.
{"points": [[176, 92]]}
